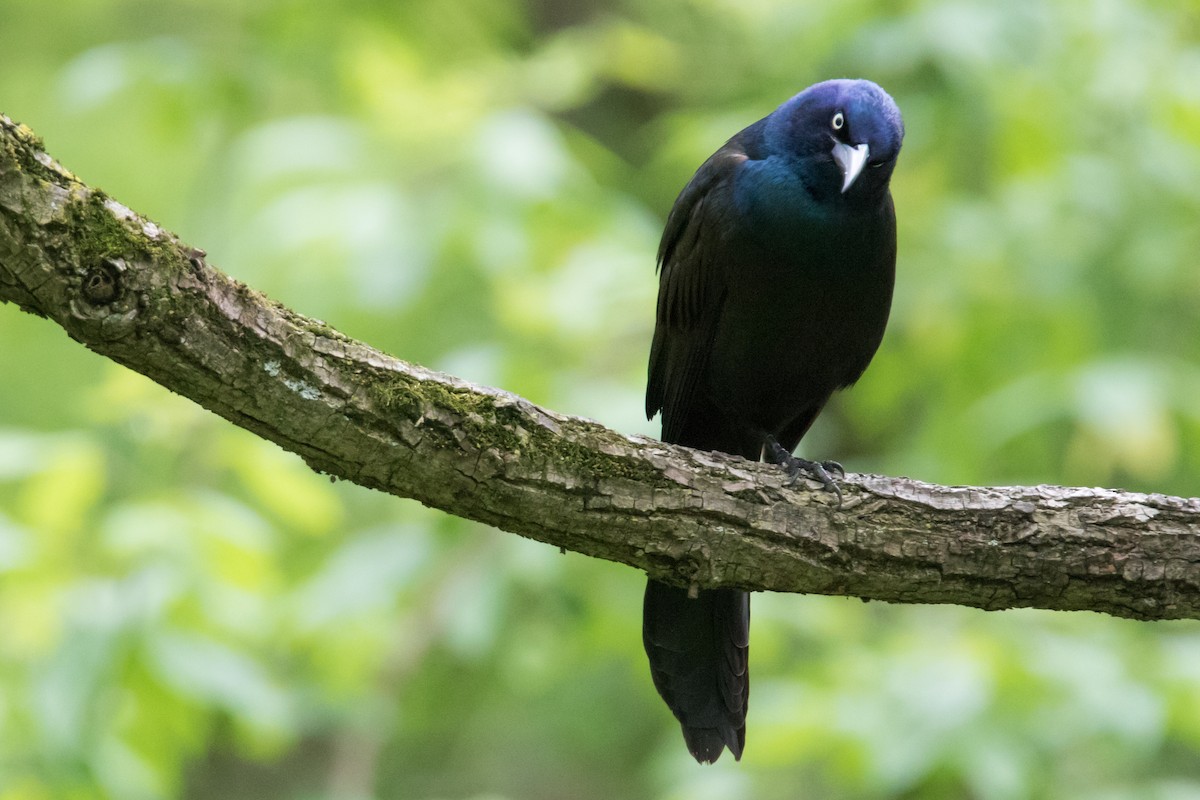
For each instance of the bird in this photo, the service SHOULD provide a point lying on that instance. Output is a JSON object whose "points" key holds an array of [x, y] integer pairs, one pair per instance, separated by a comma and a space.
{"points": [[776, 270]]}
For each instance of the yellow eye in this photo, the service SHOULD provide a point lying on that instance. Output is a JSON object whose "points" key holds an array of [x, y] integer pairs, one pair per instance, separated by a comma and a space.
{"points": [[838, 122]]}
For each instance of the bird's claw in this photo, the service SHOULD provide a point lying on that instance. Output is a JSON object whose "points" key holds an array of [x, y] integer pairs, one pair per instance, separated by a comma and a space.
{"points": [[819, 471], [833, 466]]}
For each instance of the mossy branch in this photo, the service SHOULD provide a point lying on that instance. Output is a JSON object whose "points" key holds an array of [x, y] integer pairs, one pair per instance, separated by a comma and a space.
{"points": [[131, 291]]}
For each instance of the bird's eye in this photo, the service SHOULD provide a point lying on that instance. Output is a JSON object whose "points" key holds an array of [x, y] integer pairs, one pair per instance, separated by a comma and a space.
{"points": [[838, 122]]}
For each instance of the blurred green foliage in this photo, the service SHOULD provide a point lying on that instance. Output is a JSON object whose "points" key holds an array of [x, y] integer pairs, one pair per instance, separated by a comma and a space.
{"points": [[478, 186]]}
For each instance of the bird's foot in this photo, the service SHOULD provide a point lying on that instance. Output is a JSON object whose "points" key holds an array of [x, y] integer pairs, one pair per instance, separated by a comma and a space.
{"points": [[820, 471]]}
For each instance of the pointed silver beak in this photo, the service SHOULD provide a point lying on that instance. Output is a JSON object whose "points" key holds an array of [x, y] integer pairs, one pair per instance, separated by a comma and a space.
{"points": [[851, 160]]}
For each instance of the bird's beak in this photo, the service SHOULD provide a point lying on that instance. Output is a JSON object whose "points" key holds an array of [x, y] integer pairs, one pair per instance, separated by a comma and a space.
{"points": [[851, 160]]}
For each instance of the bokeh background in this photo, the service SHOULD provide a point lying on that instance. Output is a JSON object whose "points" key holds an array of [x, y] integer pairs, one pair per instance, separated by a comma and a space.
{"points": [[478, 186]]}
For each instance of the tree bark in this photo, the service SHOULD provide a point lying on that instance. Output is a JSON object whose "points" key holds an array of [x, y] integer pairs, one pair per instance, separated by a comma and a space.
{"points": [[129, 290]]}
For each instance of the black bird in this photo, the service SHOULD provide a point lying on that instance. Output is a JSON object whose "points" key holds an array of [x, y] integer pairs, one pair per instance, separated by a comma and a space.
{"points": [[775, 280]]}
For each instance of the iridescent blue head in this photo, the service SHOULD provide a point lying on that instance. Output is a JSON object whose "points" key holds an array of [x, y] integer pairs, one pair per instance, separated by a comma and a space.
{"points": [[847, 134]]}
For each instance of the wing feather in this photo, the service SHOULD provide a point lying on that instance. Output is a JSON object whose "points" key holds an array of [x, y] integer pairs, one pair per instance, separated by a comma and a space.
{"points": [[691, 289]]}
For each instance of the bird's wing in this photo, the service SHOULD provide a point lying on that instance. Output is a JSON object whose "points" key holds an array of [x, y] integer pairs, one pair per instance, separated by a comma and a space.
{"points": [[691, 289]]}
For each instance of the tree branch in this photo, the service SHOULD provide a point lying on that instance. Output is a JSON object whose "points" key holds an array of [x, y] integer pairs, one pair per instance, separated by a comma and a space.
{"points": [[132, 292]]}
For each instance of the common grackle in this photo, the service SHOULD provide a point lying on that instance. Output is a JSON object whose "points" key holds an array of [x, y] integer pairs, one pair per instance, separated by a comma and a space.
{"points": [[775, 280]]}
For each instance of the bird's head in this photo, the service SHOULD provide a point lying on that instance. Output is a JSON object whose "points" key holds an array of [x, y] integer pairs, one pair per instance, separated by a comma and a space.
{"points": [[846, 132]]}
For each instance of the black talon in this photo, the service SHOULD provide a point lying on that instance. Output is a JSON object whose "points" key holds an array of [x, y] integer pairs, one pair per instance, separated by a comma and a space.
{"points": [[795, 467], [818, 471]]}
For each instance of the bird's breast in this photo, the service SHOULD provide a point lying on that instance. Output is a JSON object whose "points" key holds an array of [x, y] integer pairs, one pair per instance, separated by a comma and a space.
{"points": [[803, 316]]}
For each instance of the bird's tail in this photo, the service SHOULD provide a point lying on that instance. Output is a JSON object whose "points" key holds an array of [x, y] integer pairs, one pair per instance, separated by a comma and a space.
{"points": [[698, 648]]}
